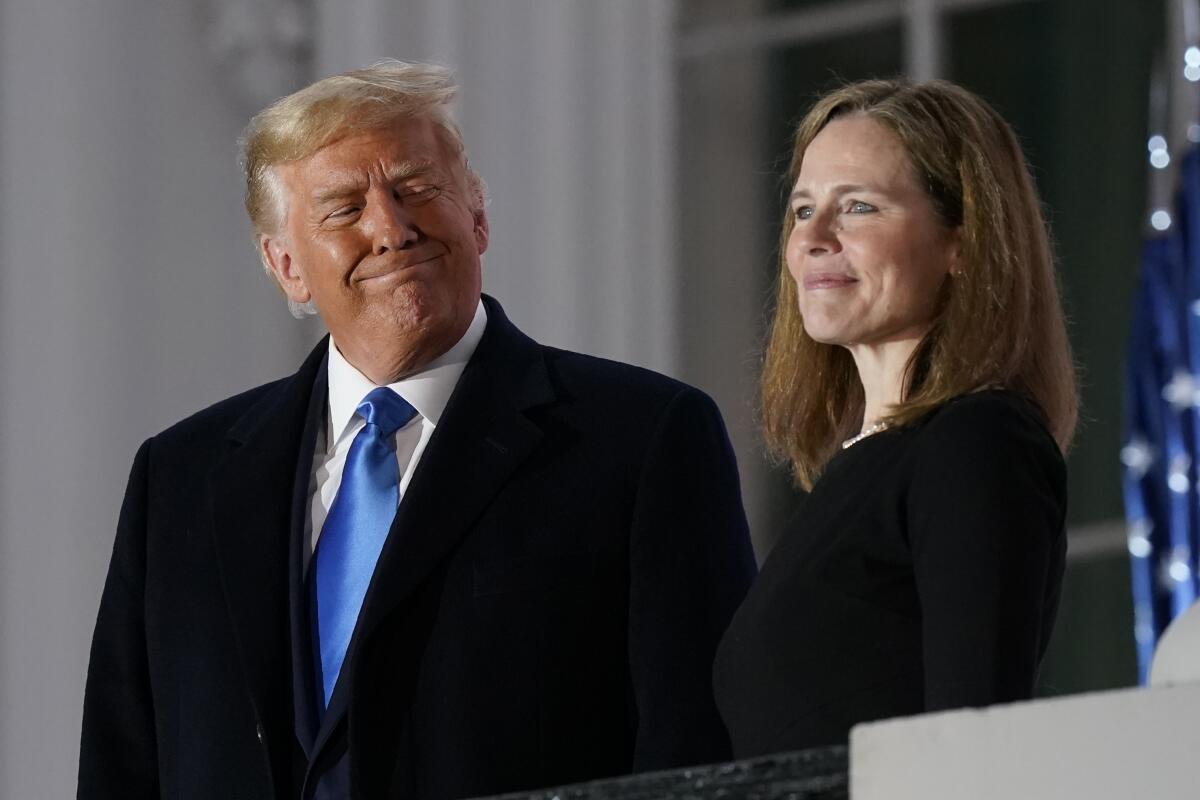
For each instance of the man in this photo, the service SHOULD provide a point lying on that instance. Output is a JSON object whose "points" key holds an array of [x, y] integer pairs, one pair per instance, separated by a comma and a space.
{"points": [[439, 561]]}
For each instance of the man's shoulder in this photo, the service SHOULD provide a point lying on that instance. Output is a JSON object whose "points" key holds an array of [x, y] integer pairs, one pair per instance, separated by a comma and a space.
{"points": [[214, 421], [604, 373], [621, 389], [579, 374]]}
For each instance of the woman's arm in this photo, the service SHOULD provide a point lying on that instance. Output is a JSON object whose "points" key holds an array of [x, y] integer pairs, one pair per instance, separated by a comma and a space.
{"points": [[986, 512]]}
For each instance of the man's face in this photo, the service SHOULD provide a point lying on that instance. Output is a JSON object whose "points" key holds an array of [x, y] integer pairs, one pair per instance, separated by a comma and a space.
{"points": [[383, 232]]}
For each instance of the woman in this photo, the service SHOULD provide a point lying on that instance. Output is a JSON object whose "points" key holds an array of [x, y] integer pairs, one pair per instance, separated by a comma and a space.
{"points": [[919, 381]]}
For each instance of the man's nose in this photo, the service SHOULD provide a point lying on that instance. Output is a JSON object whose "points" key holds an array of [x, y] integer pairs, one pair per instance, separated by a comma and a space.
{"points": [[390, 226]]}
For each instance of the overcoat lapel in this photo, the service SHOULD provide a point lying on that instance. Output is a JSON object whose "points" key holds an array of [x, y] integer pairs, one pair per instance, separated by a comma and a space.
{"points": [[483, 436], [305, 696], [252, 498]]}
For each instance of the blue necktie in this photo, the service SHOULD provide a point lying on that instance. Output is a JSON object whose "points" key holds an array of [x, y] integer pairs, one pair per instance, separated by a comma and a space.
{"points": [[357, 525]]}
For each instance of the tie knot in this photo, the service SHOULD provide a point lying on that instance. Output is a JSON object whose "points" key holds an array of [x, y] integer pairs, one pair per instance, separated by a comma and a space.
{"points": [[385, 408]]}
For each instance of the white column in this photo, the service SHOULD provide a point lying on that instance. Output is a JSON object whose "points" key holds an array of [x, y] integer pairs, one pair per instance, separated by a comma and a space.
{"points": [[129, 296], [923, 40]]}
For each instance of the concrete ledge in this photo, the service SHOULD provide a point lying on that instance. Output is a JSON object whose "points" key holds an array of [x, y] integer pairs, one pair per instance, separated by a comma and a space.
{"points": [[1101, 746]]}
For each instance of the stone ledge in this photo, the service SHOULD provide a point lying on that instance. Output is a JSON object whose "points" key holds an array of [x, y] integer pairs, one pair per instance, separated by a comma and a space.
{"points": [[817, 774]]}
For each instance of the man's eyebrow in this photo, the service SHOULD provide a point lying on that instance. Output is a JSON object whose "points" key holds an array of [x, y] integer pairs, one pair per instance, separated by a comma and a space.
{"points": [[841, 188], [409, 169], [338, 189]]}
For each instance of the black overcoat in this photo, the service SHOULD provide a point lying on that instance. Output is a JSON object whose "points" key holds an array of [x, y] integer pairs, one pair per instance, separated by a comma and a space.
{"points": [[545, 610]]}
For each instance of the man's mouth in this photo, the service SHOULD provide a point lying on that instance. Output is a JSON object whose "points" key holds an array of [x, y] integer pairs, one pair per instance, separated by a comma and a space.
{"points": [[395, 268]]}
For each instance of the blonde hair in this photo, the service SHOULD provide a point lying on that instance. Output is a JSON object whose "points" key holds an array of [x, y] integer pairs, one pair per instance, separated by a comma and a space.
{"points": [[998, 322], [296, 126]]}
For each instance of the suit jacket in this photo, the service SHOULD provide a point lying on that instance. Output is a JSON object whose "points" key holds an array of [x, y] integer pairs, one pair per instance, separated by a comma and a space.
{"points": [[545, 610]]}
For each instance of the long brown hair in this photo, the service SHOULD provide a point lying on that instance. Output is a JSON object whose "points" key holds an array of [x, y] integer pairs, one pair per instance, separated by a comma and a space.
{"points": [[999, 322]]}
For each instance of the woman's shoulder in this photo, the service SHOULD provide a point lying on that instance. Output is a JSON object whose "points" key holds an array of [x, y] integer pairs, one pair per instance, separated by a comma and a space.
{"points": [[991, 423], [989, 458], [987, 410]]}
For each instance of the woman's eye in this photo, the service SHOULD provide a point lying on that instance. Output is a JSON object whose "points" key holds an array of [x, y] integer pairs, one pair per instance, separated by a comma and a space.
{"points": [[804, 212], [859, 207]]}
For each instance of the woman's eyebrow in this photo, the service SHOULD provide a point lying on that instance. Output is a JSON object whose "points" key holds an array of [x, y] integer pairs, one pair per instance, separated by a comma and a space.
{"points": [[841, 188]]}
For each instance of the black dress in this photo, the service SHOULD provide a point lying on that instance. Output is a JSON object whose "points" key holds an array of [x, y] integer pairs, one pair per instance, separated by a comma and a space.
{"points": [[921, 573]]}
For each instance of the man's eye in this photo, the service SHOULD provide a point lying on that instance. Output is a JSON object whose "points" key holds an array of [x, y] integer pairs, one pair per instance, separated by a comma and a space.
{"points": [[421, 194], [859, 207]]}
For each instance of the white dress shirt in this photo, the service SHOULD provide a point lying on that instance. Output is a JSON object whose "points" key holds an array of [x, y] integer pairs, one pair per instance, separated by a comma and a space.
{"points": [[427, 391]]}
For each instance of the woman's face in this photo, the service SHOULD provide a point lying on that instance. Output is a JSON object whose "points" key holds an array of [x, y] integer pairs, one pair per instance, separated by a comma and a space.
{"points": [[867, 251]]}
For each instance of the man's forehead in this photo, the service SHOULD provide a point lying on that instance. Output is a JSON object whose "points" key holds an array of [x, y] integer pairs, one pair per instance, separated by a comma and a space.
{"points": [[323, 177], [359, 159], [403, 139]]}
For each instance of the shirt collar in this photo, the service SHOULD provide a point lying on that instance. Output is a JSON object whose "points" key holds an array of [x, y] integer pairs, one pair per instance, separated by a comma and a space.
{"points": [[427, 390]]}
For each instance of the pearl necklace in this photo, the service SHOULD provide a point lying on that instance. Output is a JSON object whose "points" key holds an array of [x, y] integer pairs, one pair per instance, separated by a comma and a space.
{"points": [[874, 427]]}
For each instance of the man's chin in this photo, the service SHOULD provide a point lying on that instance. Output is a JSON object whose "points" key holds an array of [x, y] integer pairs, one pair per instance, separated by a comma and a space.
{"points": [[408, 311], [419, 324]]}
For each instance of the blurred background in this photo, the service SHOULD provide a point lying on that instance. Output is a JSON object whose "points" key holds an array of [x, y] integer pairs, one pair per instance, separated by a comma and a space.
{"points": [[634, 151]]}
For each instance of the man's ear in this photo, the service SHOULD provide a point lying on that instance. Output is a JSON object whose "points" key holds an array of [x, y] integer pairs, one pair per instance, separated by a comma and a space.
{"points": [[278, 261], [482, 232]]}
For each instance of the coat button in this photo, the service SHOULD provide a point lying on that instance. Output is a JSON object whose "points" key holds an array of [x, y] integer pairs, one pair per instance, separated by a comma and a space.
{"points": [[258, 731]]}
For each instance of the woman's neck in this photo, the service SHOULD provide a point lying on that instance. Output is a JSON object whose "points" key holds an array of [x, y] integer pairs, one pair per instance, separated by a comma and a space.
{"points": [[881, 369]]}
